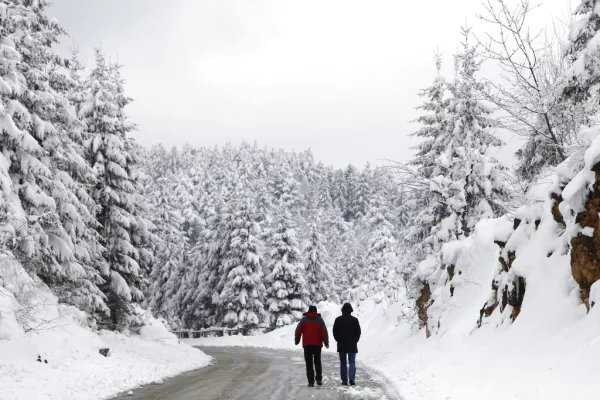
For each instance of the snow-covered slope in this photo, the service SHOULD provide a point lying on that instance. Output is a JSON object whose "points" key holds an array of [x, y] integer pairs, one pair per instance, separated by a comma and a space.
{"points": [[506, 317], [75, 369], [549, 354]]}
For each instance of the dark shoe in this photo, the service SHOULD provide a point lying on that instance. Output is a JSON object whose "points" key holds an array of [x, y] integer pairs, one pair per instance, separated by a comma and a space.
{"points": [[344, 383], [352, 383], [319, 383], [311, 385]]}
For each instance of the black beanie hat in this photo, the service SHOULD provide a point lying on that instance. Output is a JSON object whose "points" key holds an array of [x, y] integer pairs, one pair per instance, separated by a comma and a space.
{"points": [[347, 308], [312, 309]]}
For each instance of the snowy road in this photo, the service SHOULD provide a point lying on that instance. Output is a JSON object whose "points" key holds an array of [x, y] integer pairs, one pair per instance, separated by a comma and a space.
{"points": [[244, 373]]}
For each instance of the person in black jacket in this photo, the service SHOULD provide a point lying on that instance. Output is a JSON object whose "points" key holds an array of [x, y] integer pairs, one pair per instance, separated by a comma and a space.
{"points": [[346, 332]]}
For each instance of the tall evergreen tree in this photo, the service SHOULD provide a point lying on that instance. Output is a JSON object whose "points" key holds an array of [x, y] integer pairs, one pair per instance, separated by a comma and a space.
{"points": [[433, 124], [472, 179], [381, 258], [319, 279], [324, 201], [170, 248], [583, 52], [286, 286], [338, 191], [351, 184], [114, 159], [206, 256], [466, 184], [243, 296], [43, 174], [363, 193]]}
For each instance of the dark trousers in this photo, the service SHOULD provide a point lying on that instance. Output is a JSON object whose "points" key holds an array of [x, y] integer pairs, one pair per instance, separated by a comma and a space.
{"points": [[345, 359], [313, 354]]}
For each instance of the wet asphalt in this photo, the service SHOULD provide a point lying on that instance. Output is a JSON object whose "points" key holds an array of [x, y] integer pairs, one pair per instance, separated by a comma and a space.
{"points": [[261, 374]]}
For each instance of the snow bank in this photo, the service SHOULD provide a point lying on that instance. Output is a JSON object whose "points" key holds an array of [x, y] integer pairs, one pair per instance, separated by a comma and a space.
{"points": [[75, 369], [548, 351]]}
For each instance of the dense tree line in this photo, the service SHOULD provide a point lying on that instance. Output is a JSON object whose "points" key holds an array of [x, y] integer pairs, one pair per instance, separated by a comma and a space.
{"points": [[248, 236], [547, 94], [260, 234], [70, 202]]}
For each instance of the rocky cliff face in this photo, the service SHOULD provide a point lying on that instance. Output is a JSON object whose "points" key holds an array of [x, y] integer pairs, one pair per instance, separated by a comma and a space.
{"points": [[537, 249], [585, 247], [556, 200], [423, 303], [508, 287]]}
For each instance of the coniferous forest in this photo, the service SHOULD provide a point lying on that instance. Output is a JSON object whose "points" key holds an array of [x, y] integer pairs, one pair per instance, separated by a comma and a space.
{"points": [[246, 236]]}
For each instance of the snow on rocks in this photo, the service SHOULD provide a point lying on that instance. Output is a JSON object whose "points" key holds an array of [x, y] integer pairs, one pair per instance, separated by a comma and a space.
{"points": [[579, 208]]}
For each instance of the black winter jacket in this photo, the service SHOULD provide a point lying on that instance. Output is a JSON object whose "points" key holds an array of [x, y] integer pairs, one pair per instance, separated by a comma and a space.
{"points": [[346, 332]]}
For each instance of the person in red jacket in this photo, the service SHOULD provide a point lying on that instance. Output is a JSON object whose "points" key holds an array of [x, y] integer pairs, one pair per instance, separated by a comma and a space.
{"points": [[313, 332]]}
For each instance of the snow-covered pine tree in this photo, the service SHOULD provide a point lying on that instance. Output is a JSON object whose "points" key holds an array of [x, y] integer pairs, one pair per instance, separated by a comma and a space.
{"points": [[140, 233], [338, 191], [423, 208], [433, 124], [342, 245], [286, 191], [363, 192], [242, 298], [45, 204], [584, 53], [188, 192], [318, 275], [286, 286], [76, 69], [76, 209], [351, 184], [324, 201], [206, 257], [380, 277], [25, 206], [113, 158], [466, 184], [170, 249], [466, 164], [264, 204], [156, 164]]}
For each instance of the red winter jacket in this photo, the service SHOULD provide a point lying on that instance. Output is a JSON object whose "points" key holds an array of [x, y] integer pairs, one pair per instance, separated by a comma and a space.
{"points": [[313, 330]]}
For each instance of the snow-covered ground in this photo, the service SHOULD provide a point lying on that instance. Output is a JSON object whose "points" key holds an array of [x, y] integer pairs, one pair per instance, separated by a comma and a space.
{"points": [[550, 352], [517, 363], [75, 369]]}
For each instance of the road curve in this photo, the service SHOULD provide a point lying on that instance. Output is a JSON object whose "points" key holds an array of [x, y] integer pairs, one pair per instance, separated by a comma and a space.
{"points": [[253, 374]]}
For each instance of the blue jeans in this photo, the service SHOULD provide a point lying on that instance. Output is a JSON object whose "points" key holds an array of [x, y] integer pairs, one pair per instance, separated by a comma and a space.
{"points": [[344, 359]]}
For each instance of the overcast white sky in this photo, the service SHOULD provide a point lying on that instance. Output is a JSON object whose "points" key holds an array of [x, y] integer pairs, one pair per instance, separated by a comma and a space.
{"points": [[337, 76]]}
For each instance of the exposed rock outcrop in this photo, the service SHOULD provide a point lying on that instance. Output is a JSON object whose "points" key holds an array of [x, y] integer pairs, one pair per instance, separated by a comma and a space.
{"points": [[556, 214], [423, 303], [508, 289], [585, 247]]}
